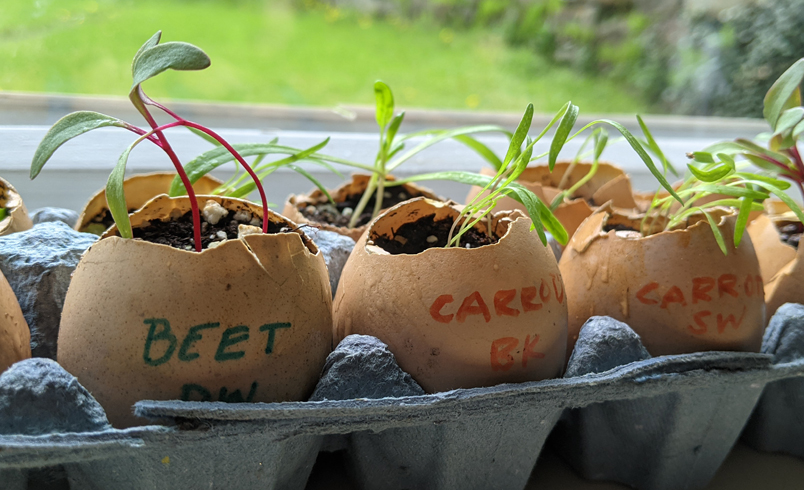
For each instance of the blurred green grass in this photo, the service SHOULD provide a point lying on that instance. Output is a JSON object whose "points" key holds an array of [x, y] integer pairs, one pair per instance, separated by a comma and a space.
{"points": [[267, 52]]}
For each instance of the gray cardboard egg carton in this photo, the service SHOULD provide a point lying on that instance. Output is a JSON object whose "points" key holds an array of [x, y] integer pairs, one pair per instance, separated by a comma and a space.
{"points": [[652, 423]]}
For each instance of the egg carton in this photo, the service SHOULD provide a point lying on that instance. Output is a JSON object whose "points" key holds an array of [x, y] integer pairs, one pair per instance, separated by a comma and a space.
{"points": [[660, 423]]}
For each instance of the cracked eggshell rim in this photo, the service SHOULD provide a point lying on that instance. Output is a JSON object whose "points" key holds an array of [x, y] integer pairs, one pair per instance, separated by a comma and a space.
{"points": [[610, 183], [782, 265], [140, 189], [123, 290], [357, 185], [675, 288], [413, 303], [15, 336], [17, 218]]}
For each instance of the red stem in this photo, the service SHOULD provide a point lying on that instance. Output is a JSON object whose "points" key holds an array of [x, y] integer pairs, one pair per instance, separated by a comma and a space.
{"points": [[226, 145], [182, 175], [242, 162]]}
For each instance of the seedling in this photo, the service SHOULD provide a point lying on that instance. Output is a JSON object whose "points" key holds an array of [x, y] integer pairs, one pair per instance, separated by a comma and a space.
{"points": [[720, 168], [151, 59], [390, 155]]}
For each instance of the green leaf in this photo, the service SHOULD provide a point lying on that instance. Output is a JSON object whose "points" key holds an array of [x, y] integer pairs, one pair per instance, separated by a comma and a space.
{"points": [[784, 93], [756, 178], [439, 135], [642, 154], [732, 191], [798, 130], [789, 119], [795, 207], [67, 128], [714, 175], [703, 157], [392, 129], [481, 149], [150, 43], [172, 55], [515, 147], [3, 213], [654, 147], [601, 140], [715, 231], [742, 220], [204, 136], [116, 196], [562, 133], [385, 103]]}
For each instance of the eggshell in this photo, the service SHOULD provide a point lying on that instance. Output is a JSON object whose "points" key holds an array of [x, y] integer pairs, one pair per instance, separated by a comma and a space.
{"points": [[773, 254], [246, 290], [140, 189], [17, 218], [15, 337], [357, 185], [675, 288], [454, 318], [609, 183], [781, 264]]}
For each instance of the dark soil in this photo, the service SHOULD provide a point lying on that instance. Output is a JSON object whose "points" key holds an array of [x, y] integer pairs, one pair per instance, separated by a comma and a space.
{"points": [[333, 215], [791, 234], [618, 227], [411, 238], [104, 219], [178, 233]]}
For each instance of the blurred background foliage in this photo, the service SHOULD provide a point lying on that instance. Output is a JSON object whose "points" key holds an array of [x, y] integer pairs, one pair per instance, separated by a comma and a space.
{"points": [[703, 57]]}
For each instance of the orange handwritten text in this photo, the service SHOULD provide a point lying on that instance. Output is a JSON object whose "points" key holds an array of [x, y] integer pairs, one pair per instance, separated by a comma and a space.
{"points": [[502, 352], [531, 298]]}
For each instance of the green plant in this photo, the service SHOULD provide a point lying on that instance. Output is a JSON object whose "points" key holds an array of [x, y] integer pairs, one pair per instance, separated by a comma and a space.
{"points": [[151, 59], [3, 213]]}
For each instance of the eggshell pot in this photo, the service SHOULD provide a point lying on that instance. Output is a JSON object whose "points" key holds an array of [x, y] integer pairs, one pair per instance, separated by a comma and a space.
{"points": [[675, 288], [781, 264], [458, 318], [15, 337], [17, 218], [609, 183], [357, 186], [140, 189], [249, 320]]}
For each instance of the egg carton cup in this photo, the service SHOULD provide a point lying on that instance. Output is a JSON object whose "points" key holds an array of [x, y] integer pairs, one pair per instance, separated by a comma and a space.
{"points": [[691, 409]]}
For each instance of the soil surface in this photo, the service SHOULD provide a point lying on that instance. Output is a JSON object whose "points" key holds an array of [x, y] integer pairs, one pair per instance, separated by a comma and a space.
{"points": [[418, 236], [178, 233], [101, 222], [334, 215], [791, 233], [618, 227]]}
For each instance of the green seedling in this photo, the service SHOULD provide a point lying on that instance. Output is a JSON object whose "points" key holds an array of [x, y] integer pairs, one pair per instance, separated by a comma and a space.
{"points": [[3, 213], [390, 155], [151, 59]]}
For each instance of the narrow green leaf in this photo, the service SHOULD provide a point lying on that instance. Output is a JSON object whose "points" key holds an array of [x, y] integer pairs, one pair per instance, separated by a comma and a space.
{"points": [[385, 103], [733, 191], [795, 207], [515, 147], [654, 147], [562, 133], [601, 140], [749, 177], [392, 129], [481, 149], [642, 154], [703, 157], [766, 165], [204, 136], [439, 136], [150, 43], [785, 88], [116, 195], [172, 55], [67, 128], [3, 213], [715, 231], [742, 220]]}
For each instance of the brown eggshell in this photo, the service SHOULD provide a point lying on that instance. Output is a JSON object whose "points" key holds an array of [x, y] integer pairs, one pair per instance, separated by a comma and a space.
{"points": [[773, 254], [17, 218], [454, 318], [675, 288], [787, 286], [122, 290], [609, 183], [357, 185], [140, 189], [15, 337]]}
